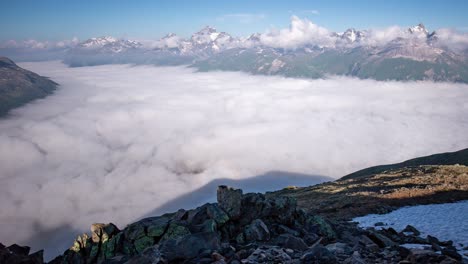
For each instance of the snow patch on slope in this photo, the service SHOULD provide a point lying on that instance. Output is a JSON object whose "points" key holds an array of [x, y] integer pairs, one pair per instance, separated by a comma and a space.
{"points": [[444, 221]]}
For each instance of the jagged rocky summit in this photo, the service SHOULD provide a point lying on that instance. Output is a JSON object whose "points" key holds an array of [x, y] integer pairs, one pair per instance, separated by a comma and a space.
{"points": [[244, 228]]}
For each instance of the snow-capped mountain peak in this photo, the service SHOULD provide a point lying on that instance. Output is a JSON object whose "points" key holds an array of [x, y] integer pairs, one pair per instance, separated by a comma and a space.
{"points": [[207, 30], [420, 28], [98, 42], [109, 44], [352, 35], [205, 35]]}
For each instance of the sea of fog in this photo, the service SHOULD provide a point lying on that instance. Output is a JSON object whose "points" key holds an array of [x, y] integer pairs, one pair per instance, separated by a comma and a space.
{"points": [[120, 142]]}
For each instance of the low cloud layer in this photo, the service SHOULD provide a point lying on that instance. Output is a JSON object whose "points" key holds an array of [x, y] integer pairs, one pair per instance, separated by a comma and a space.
{"points": [[116, 142]]}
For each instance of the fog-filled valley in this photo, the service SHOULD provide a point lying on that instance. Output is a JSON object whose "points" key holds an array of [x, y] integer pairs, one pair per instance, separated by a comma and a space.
{"points": [[117, 142]]}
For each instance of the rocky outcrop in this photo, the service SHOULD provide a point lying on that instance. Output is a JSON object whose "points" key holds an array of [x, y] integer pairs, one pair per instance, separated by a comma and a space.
{"points": [[252, 228], [19, 86], [232, 229], [16, 254]]}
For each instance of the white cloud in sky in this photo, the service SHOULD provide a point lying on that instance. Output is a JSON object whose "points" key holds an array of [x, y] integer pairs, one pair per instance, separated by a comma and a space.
{"points": [[115, 142], [301, 32]]}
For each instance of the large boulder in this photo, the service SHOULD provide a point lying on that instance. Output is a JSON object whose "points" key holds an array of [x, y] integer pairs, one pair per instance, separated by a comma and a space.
{"points": [[189, 246], [102, 232], [319, 255], [257, 231], [290, 241], [229, 200]]}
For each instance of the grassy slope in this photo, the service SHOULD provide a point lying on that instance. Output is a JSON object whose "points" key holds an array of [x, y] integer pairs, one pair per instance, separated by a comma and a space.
{"points": [[449, 158], [384, 188]]}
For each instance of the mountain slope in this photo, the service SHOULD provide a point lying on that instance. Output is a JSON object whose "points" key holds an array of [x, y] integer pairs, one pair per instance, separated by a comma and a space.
{"points": [[449, 158], [381, 189], [19, 86]]}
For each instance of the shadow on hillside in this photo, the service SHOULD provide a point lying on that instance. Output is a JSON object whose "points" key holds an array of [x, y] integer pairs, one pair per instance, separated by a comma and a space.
{"points": [[270, 181], [56, 240]]}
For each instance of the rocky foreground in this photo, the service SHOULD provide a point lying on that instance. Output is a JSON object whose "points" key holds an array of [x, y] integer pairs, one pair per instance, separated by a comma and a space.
{"points": [[244, 228]]}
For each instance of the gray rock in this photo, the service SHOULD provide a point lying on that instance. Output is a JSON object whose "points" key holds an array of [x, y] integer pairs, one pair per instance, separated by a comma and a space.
{"points": [[355, 258], [451, 252], [339, 249], [411, 229], [424, 256], [381, 240], [318, 254], [151, 255], [189, 246], [230, 200], [268, 254], [282, 229], [257, 231], [291, 242], [19, 250]]}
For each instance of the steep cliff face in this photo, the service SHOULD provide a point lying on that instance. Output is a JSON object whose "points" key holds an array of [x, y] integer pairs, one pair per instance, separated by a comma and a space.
{"points": [[19, 86]]}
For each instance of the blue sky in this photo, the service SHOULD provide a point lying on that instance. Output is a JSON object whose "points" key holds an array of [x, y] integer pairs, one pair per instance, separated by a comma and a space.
{"points": [[59, 19]]}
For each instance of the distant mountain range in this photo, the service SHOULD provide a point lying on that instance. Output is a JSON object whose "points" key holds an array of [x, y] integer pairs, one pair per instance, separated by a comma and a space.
{"points": [[19, 86], [396, 54]]}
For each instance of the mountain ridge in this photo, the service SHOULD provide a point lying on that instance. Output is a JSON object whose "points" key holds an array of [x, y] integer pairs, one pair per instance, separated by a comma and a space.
{"points": [[416, 54]]}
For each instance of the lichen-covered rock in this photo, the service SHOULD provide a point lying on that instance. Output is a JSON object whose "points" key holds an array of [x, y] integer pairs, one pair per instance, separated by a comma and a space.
{"points": [[142, 243], [217, 214], [175, 231], [230, 200], [113, 245], [157, 226], [134, 231], [315, 223], [268, 230]]}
